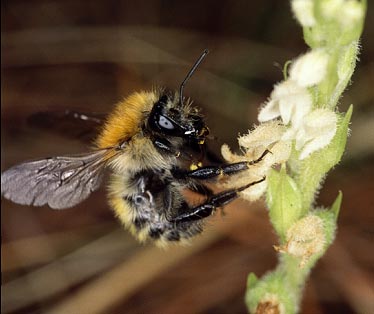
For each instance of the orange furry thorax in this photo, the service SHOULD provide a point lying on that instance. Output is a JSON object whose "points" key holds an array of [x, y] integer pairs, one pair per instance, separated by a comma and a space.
{"points": [[125, 120]]}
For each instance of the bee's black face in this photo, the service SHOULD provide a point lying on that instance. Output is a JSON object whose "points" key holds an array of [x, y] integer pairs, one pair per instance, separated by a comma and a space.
{"points": [[168, 118]]}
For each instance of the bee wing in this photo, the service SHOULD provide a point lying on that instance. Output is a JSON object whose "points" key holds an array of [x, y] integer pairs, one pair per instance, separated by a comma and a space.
{"points": [[60, 182]]}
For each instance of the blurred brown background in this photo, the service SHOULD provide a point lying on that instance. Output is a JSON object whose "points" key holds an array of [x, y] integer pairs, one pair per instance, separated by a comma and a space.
{"points": [[87, 55]]}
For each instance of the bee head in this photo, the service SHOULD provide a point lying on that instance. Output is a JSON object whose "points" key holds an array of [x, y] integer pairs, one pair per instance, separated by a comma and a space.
{"points": [[171, 118]]}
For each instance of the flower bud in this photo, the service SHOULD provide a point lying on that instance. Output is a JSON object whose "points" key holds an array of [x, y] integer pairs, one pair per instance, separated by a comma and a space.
{"points": [[304, 239]]}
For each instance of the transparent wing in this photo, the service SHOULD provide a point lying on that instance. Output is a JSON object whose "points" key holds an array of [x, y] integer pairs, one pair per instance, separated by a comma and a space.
{"points": [[60, 182]]}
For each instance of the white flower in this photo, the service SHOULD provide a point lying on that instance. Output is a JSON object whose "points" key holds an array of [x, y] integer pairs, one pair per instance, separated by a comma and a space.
{"points": [[292, 101], [310, 69], [289, 101], [267, 136], [316, 132], [303, 10]]}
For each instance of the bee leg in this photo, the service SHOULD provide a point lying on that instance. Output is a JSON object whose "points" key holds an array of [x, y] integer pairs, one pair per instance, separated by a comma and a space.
{"points": [[266, 151], [209, 172], [217, 200]]}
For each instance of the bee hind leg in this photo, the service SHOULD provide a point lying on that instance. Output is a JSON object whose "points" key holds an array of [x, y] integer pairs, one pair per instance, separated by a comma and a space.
{"points": [[207, 208]]}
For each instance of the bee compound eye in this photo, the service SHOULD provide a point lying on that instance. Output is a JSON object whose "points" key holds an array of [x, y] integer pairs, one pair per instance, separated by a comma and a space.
{"points": [[165, 123]]}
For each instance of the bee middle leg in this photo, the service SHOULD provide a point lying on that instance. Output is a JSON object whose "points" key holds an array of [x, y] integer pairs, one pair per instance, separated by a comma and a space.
{"points": [[210, 172], [207, 208]]}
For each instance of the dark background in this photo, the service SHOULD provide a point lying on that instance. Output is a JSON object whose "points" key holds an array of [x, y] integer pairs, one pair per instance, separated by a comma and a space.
{"points": [[87, 55]]}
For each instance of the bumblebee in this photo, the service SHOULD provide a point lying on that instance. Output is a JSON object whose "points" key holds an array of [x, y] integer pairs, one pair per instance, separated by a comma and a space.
{"points": [[146, 142]]}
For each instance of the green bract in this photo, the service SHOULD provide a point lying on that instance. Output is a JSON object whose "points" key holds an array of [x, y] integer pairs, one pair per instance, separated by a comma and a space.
{"points": [[284, 201]]}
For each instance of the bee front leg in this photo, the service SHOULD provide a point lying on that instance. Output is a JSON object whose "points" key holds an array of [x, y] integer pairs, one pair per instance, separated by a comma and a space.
{"points": [[217, 200]]}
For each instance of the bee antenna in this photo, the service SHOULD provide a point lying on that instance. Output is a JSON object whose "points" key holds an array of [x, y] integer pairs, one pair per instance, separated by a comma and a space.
{"points": [[197, 63]]}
